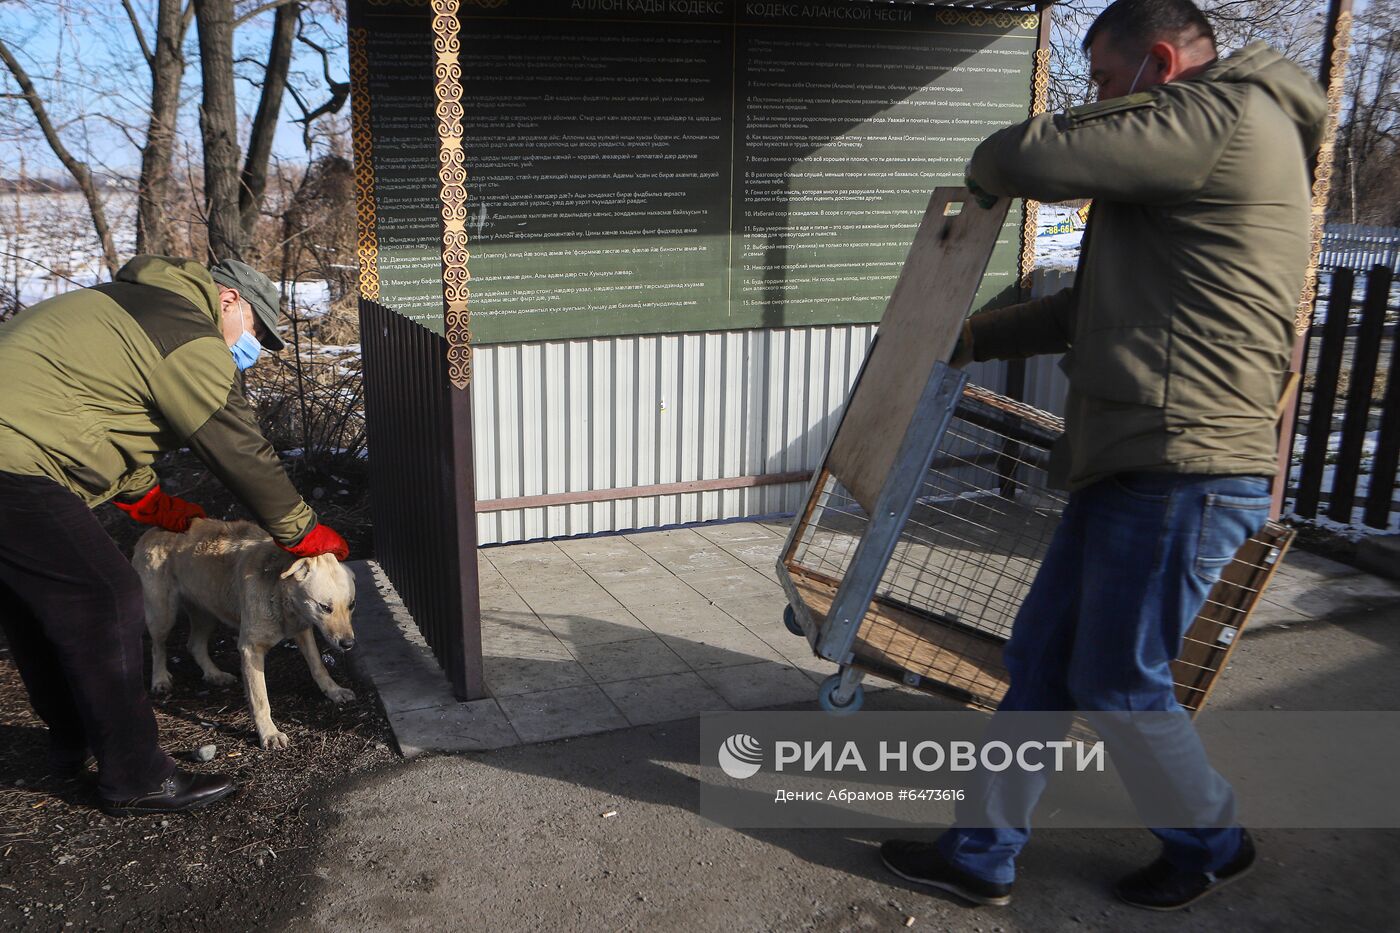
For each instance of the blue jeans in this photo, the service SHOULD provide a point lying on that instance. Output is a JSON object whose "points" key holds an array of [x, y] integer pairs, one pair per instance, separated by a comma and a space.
{"points": [[1126, 573]]}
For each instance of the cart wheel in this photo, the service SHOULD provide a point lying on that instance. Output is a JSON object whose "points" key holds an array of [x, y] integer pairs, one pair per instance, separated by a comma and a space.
{"points": [[790, 620], [826, 692]]}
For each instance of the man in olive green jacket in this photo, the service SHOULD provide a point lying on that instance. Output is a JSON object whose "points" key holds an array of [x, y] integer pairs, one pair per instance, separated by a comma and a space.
{"points": [[98, 383], [1177, 335]]}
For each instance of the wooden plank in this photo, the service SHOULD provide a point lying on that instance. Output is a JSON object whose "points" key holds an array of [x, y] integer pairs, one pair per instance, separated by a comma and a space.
{"points": [[1365, 354], [1231, 603], [919, 328], [894, 641], [1324, 395], [1387, 459]]}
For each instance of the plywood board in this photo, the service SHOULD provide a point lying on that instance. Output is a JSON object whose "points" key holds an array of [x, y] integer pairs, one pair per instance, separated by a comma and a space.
{"points": [[919, 328]]}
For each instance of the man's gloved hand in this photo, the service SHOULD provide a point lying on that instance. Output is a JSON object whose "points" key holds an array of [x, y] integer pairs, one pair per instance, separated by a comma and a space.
{"points": [[984, 200], [158, 508], [320, 540], [962, 350]]}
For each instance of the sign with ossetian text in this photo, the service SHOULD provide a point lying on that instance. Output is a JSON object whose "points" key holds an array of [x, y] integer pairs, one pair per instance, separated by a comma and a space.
{"points": [[654, 166]]}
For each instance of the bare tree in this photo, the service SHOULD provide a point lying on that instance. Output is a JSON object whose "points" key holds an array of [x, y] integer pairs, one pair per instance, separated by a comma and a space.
{"points": [[146, 108], [218, 125], [79, 169], [166, 59], [279, 59], [1366, 186]]}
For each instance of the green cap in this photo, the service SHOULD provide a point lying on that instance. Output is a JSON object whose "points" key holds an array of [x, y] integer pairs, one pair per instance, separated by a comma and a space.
{"points": [[258, 290]]}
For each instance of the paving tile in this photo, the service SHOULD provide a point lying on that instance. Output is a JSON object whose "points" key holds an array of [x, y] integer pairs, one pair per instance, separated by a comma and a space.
{"points": [[627, 660], [762, 610], [721, 648], [767, 683], [595, 626], [390, 657], [733, 584], [478, 725], [416, 689], [797, 652], [1267, 614], [687, 620], [736, 532], [517, 558], [661, 699], [760, 556], [519, 635], [560, 591], [500, 596], [642, 572], [669, 539], [1338, 596], [668, 592], [604, 553], [703, 558], [486, 572], [511, 676], [771, 572], [603, 547], [1304, 566], [559, 714]]}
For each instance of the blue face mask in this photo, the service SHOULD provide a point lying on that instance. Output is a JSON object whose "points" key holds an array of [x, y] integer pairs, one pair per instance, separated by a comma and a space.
{"points": [[245, 350]]}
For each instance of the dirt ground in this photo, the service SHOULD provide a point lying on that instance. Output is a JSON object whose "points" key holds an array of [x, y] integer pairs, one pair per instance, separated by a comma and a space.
{"points": [[66, 865]]}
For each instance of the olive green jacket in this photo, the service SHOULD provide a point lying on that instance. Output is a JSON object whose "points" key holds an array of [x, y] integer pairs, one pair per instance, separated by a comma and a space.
{"points": [[1179, 326], [97, 383]]}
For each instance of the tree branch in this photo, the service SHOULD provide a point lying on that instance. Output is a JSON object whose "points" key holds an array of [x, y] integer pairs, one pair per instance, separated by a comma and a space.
{"points": [[253, 181], [140, 33], [340, 92], [78, 169], [259, 10]]}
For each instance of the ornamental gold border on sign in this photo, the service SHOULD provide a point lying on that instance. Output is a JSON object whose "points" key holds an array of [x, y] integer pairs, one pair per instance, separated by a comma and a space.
{"points": [[484, 4], [1322, 174], [999, 18], [362, 148], [1030, 220], [452, 178]]}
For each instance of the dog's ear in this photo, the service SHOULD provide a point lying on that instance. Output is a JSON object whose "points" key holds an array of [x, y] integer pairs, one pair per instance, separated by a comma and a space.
{"points": [[301, 568]]}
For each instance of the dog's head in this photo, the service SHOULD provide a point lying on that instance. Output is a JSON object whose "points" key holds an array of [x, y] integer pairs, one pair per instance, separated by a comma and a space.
{"points": [[321, 590]]}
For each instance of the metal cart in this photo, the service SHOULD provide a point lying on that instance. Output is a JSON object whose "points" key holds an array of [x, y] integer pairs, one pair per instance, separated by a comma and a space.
{"points": [[931, 510], [923, 588]]}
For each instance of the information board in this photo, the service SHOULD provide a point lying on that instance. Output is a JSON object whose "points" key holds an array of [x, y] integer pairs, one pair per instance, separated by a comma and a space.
{"points": [[650, 166]]}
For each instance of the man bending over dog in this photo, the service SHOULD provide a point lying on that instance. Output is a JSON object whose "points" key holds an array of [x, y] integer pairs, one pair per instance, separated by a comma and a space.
{"points": [[98, 383]]}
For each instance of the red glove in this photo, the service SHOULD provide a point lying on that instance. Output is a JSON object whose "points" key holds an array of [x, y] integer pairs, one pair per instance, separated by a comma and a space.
{"points": [[320, 540], [158, 508]]}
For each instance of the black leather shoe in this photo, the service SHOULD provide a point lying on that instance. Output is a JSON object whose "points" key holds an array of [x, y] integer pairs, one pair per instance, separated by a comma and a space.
{"points": [[183, 790], [1162, 886], [922, 863]]}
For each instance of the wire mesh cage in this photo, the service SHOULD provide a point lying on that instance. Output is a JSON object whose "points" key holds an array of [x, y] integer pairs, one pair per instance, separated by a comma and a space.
{"points": [[938, 611]]}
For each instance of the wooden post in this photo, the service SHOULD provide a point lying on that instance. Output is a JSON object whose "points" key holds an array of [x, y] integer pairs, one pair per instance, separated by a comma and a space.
{"points": [[468, 681], [1332, 76]]}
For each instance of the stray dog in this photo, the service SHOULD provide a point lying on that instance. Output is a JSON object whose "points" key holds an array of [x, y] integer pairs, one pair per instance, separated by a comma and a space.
{"points": [[234, 573]]}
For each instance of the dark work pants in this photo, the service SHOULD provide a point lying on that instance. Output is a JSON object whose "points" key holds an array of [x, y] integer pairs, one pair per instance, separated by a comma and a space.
{"points": [[71, 607]]}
